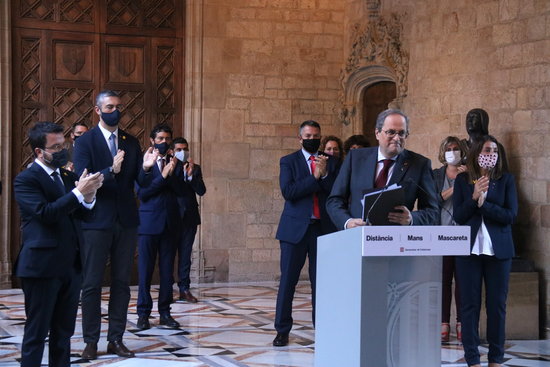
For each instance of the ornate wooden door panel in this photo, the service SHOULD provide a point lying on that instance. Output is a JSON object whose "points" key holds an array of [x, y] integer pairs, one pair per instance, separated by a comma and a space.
{"points": [[66, 51]]}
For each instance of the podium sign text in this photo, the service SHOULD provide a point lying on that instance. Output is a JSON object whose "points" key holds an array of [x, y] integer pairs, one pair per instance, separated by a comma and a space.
{"points": [[415, 240]]}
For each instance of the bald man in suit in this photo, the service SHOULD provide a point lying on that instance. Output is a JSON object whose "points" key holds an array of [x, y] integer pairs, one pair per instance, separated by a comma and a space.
{"points": [[362, 168]]}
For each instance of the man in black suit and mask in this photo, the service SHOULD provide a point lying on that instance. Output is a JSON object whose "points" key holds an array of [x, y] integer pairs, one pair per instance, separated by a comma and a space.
{"points": [[49, 262], [193, 185], [158, 229], [111, 230]]}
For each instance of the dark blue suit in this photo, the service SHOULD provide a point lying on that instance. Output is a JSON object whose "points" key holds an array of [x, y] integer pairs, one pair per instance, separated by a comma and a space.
{"points": [[158, 233], [297, 231], [116, 198], [48, 263], [498, 212], [190, 219], [110, 230], [411, 170]]}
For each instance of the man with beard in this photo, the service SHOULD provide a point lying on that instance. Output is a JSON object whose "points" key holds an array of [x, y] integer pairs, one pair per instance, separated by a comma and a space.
{"points": [[158, 229], [51, 201], [306, 179]]}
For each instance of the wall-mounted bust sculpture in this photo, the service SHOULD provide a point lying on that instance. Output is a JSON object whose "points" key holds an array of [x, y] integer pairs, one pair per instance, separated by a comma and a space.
{"points": [[477, 124]]}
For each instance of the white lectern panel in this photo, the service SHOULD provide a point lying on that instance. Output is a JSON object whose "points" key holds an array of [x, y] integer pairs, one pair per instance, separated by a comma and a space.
{"points": [[382, 308]]}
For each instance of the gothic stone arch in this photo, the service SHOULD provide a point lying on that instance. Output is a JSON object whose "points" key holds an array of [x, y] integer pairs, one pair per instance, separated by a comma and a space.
{"points": [[376, 55]]}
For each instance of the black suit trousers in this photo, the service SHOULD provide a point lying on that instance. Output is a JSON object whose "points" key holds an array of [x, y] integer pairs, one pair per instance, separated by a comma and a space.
{"points": [[118, 244], [185, 250], [472, 271], [50, 305], [293, 258]]}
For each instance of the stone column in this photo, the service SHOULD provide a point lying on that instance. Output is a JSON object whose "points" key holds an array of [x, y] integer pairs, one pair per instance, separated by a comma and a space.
{"points": [[5, 138], [192, 124]]}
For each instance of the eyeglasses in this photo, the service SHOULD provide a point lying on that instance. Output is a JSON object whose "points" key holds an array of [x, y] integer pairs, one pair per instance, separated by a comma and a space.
{"points": [[391, 133], [55, 148]]}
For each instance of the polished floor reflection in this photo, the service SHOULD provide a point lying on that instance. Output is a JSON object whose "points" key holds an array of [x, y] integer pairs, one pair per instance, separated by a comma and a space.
{"points": [[232, 325]]}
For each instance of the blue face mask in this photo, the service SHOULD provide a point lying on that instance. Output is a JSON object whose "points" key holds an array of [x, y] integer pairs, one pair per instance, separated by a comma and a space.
{"points": [[112, 118], [162, 148]]}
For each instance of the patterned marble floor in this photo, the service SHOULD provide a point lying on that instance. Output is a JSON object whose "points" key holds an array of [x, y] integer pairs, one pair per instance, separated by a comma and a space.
{"points": [[231, 326]]}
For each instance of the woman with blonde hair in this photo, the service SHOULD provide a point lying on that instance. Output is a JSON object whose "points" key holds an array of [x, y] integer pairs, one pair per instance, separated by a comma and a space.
{"points": [[451, 153]]}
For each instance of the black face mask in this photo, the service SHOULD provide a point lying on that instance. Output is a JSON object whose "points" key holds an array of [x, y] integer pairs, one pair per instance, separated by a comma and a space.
{"points": [[112, 118], [59, 159], [162, 148], [311, 145]]}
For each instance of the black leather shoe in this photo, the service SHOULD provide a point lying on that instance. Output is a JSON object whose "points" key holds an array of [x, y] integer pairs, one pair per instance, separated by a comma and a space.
{"points": [[188, 297], [143, 323], [117, 347], [90, 351], [169, 321], [280, 340]]}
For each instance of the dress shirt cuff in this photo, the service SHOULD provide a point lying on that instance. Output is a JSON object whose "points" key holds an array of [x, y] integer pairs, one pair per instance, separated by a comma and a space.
{"points": [[346, 224], [80, 198]]}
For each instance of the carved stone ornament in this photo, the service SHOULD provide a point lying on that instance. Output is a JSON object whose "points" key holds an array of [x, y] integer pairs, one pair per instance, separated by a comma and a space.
{"points": [[376, 55]]}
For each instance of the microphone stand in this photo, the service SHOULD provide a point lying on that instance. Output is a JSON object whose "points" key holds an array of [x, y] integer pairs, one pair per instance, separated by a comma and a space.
{"points": [[367, 221]]}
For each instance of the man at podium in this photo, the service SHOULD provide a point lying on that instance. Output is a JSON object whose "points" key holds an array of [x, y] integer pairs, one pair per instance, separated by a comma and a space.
{"points": [[376, 167]]}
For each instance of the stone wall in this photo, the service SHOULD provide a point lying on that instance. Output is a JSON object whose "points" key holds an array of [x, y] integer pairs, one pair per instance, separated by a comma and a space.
{"points": [[268, 65], [494, 55]]}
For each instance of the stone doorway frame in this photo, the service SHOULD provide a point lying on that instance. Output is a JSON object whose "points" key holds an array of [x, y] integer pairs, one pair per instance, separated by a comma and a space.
{"points": [[5, 137], [356, 85]]}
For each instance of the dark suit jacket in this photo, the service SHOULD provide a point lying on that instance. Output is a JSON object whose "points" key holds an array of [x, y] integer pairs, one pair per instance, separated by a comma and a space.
{"points": [[412, 171], [297, 186], [116, 198], [50, 229], [158, 202], [499, 211], [187, 199]]}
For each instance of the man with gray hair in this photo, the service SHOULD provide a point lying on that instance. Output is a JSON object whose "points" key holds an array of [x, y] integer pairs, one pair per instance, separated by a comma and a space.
{"points": [[386, 164], [110, 232]]}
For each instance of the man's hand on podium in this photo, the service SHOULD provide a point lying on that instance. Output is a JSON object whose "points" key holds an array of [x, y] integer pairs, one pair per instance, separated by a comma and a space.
{"points": [[355, 222]]}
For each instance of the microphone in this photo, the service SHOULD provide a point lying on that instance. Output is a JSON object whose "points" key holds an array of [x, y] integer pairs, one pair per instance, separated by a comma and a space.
{"points": [[374, 204], [410, 180]]}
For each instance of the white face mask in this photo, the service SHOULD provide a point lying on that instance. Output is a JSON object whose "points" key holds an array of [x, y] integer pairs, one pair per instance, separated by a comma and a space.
{"points": [[182, 155], [452, 157]]}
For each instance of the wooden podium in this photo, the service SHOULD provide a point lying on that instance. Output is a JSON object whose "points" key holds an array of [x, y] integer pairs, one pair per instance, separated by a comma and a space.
{"points": [[379, 295]]}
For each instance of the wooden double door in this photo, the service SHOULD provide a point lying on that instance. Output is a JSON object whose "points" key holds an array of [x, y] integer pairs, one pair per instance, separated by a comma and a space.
{"points": [[66, 51]]}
